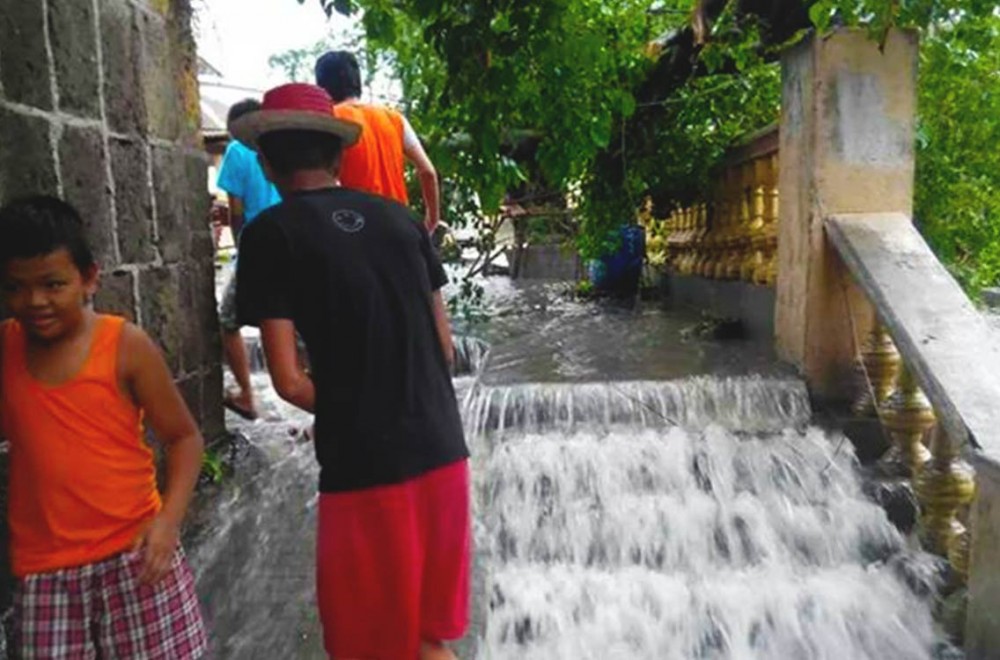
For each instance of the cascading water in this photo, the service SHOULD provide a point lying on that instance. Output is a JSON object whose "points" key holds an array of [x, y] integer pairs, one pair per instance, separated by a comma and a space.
{"points": [[687, 518], [254, 558], [641, 520]]}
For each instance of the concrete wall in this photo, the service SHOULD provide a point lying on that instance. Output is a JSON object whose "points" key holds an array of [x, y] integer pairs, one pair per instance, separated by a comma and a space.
{"points": [[99, 104], [847, 145]]}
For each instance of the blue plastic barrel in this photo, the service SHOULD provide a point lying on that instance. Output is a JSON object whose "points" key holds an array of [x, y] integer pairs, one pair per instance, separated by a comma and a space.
{"points": [[619, 272]]}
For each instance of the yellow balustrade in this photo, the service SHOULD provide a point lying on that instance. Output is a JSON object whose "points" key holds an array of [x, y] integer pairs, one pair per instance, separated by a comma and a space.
{"points": [[907, 417], [958, 554], [769, 273], [944, 485], [737, 239], [879, 365], [734, 235], [754, 257]]}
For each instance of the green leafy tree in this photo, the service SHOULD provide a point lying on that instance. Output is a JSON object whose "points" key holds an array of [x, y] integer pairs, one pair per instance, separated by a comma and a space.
{"points": [[610, 125]]}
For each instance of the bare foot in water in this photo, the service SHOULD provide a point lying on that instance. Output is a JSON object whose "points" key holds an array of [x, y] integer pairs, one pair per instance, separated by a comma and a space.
{"points": [[241, 403], [435, 651]]}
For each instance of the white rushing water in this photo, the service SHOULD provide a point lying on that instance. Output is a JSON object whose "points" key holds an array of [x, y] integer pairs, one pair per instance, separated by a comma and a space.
{"points": [[639, 521]]}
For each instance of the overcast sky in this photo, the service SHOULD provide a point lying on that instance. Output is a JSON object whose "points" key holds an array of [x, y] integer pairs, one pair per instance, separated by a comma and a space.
{"points": [[238, 40]]}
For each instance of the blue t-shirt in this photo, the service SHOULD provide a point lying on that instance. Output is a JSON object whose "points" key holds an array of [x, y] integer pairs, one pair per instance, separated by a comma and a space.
{"points": [[241, 176]]}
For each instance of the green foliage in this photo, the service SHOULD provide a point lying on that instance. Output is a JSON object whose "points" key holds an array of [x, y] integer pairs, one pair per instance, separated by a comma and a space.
{"points": [[957, 200], [482, 80], [478, 76], [297, 64], [213, 465]]}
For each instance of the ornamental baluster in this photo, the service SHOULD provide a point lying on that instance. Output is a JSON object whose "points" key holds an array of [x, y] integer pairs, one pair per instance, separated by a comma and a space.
{"points": [[878, 367], [945, 484], [907, 416]]}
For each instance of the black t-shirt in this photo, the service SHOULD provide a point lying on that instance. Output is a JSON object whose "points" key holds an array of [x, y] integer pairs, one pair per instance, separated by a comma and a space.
{"points": [[356, 273]]}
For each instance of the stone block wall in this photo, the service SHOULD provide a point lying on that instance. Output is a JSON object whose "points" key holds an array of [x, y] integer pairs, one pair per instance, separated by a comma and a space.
{"points": [[99, 104]]}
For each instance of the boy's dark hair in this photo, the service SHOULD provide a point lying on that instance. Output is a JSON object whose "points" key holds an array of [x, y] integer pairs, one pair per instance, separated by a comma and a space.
{"points": [[339, 74], [290, 150], [39, 225], [241, 108]]}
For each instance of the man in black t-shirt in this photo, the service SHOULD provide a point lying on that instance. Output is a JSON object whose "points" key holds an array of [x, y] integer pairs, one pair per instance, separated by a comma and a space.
{"points": [[356, 276]]}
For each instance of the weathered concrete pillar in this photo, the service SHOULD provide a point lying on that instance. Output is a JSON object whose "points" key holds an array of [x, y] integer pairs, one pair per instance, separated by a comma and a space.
{"points": [[847, 130]]}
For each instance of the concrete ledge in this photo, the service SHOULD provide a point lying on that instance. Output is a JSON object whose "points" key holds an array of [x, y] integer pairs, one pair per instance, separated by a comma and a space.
{"points": [[942, 336], [751, 304]]}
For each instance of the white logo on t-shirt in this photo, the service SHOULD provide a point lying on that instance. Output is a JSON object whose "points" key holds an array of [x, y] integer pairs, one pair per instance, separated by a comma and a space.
{"points": [[348, 220]]}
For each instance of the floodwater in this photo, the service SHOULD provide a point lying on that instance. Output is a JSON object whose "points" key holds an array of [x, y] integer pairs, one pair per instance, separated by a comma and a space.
{"points": [[642, 490]]}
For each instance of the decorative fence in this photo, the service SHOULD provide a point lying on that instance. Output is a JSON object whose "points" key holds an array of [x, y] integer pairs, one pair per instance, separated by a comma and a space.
{"points": [[921, 450], [734, 234]]}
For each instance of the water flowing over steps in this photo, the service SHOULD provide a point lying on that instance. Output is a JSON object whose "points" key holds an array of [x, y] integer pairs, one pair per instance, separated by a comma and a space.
{"points": [[699, 518]]}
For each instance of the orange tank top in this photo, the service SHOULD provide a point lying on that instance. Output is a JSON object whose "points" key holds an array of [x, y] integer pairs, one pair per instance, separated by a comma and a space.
{"points": [[375, 162], [82, 479]]}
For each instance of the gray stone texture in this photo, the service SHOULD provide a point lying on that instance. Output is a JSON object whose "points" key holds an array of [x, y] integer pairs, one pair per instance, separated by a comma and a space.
{"points": [[25, 70], [116, 294], [133, 200], [27, 162], [83, 160], [212, 419], [169, 179], [750, 304], [200, 331], [190, 388], [121, 45], [159, 84], [991, 297], [74, 54], [161, 311]]}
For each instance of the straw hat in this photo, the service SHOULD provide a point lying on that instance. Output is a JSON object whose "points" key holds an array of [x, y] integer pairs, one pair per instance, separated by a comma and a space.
{"points": [[298, 106]]}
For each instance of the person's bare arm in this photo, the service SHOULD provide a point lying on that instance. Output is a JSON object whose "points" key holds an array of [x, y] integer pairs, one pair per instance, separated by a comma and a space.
{"points": [[428, 178], [148, 380], [443, 328], [290, 380], [236, 217]]}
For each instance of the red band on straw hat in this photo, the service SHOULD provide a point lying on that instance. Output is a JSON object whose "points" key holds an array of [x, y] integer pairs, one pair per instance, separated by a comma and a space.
{"points": [[300, 97]]}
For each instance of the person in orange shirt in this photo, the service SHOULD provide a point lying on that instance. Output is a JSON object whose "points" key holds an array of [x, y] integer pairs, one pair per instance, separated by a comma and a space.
{"points": [[96, 552], [375, 163]]}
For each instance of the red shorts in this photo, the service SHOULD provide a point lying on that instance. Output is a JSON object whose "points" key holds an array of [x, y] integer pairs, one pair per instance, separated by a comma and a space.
{"points": [[392, 565]]}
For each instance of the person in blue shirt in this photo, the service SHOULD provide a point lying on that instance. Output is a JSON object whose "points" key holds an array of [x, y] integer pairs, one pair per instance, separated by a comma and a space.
{"points": [[250, 192]]}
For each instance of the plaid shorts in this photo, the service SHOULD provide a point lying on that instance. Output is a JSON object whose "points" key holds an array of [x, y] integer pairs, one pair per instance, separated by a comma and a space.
{"points": [[100, 610]]}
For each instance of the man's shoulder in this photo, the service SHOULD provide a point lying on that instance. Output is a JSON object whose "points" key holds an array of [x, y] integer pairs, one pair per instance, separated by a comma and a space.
{"points": [[376, 204]]}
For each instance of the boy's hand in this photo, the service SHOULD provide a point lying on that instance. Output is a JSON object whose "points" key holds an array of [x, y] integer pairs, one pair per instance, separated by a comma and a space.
{"points": [[157, 541]]}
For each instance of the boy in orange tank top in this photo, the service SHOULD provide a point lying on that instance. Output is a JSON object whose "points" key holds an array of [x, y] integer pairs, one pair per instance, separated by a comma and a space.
{"points": [[96, 553]]}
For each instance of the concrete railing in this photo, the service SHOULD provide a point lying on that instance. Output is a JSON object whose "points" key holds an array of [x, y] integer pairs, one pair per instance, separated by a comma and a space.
{"points": [[948, 353]]}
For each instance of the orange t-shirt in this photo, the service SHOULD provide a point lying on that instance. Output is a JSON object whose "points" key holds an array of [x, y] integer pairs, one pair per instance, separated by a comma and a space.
{"points": [[375, 162], [82, 479]]}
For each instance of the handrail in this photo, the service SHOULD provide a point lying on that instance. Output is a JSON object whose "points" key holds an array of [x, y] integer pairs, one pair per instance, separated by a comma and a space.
{"points": [[943, 338]]}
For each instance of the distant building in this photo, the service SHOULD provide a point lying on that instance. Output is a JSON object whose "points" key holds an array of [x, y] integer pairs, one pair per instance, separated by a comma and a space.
{"points": [[217, 95]]}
